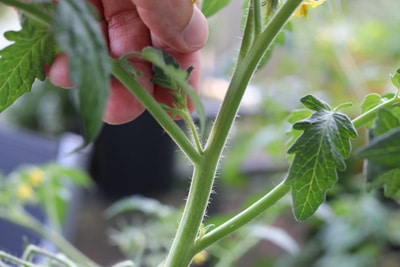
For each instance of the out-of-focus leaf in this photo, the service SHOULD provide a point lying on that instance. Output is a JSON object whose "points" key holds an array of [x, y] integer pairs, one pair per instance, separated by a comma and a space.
{"points": [[137, 203], [384, 150], [385, 122], [79, 35], [396, 79], [210, 7], [390, 181]]}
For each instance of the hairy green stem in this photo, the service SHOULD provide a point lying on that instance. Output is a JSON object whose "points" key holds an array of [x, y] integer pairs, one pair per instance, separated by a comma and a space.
{"points": [[156, 111], [248, 33], [369, 115], [183, 247], [196, 139], [258, 17], [30, 10], [242, 75], [243, 218]]}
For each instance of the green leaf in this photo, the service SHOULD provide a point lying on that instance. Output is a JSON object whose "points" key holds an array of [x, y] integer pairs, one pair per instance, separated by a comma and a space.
{"points": [[370, 101], [390, 181], [384, 149], [396, 79], [23, 61], [319, 152], [385, 122], [79, 35], [169, 73], [210, 7], [296, 116], [160, 77], [76, 176], [314, 103]]}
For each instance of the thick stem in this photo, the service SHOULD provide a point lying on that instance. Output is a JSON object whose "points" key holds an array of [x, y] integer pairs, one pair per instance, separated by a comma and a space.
{"points": [[156, 111], [243, 218], [183, 247], [242, 76]]}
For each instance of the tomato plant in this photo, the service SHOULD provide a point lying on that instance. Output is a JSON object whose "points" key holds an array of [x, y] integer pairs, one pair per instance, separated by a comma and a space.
{"points": [[321, 135]]}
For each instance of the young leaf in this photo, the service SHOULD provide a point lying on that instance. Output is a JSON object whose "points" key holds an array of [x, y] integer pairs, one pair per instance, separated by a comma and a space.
{"points": [[319, 152], [24, 60], [384, 150], [168, 73], [78, 34], [314, 103], [210, 7]]}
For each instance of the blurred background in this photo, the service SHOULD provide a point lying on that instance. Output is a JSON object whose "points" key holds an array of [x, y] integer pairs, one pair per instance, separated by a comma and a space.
{"points": [[343, 51]]}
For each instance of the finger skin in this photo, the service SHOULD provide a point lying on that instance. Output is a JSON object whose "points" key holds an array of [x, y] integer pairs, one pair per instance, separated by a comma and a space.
{"points": [[126, 33], [178, 24], [128, 25]]}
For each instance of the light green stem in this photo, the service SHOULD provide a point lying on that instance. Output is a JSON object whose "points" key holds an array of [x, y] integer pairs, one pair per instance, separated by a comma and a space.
{"points": [[195, 135], [258, 17], [156, 111], [183, 247], [243, 218], [248, 33]]}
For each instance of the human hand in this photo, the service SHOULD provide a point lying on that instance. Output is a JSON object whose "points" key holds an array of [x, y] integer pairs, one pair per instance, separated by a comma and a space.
{"points": [[175, 26]]}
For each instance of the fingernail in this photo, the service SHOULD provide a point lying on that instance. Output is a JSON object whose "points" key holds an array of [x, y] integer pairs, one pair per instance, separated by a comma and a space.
{"points": [[196, 33]]}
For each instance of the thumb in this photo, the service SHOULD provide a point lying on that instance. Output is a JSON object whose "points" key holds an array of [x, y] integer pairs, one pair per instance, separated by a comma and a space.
{"points": [[177, 24]]}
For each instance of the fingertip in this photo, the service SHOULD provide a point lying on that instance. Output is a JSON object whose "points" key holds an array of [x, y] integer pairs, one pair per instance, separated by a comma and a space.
{"points": [[122, 106], [177, 25], [58, 72], [195, 34]]}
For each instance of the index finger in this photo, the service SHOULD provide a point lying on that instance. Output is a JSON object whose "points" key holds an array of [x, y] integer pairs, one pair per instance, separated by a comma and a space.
{"points": [[177, 24]]}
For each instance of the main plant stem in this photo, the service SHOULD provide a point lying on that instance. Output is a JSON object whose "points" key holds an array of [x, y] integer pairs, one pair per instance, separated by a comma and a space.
{"points": [[183, 247]]}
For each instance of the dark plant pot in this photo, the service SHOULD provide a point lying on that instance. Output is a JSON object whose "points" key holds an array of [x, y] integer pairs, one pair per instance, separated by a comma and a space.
{"points": [[133, 158]]}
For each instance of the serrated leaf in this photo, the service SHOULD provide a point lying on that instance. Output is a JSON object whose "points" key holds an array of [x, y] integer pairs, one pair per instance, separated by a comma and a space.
{"points": [[210, 7], [314, 103], [169, 73], [385, 122], [296, 116], [23, 61], [319, 152], [79, 35], [384, 149]]}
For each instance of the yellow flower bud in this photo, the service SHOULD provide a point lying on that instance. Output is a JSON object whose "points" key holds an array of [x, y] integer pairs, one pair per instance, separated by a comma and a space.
{"points": [[24, 192], [200, 257], [36, 176]]}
